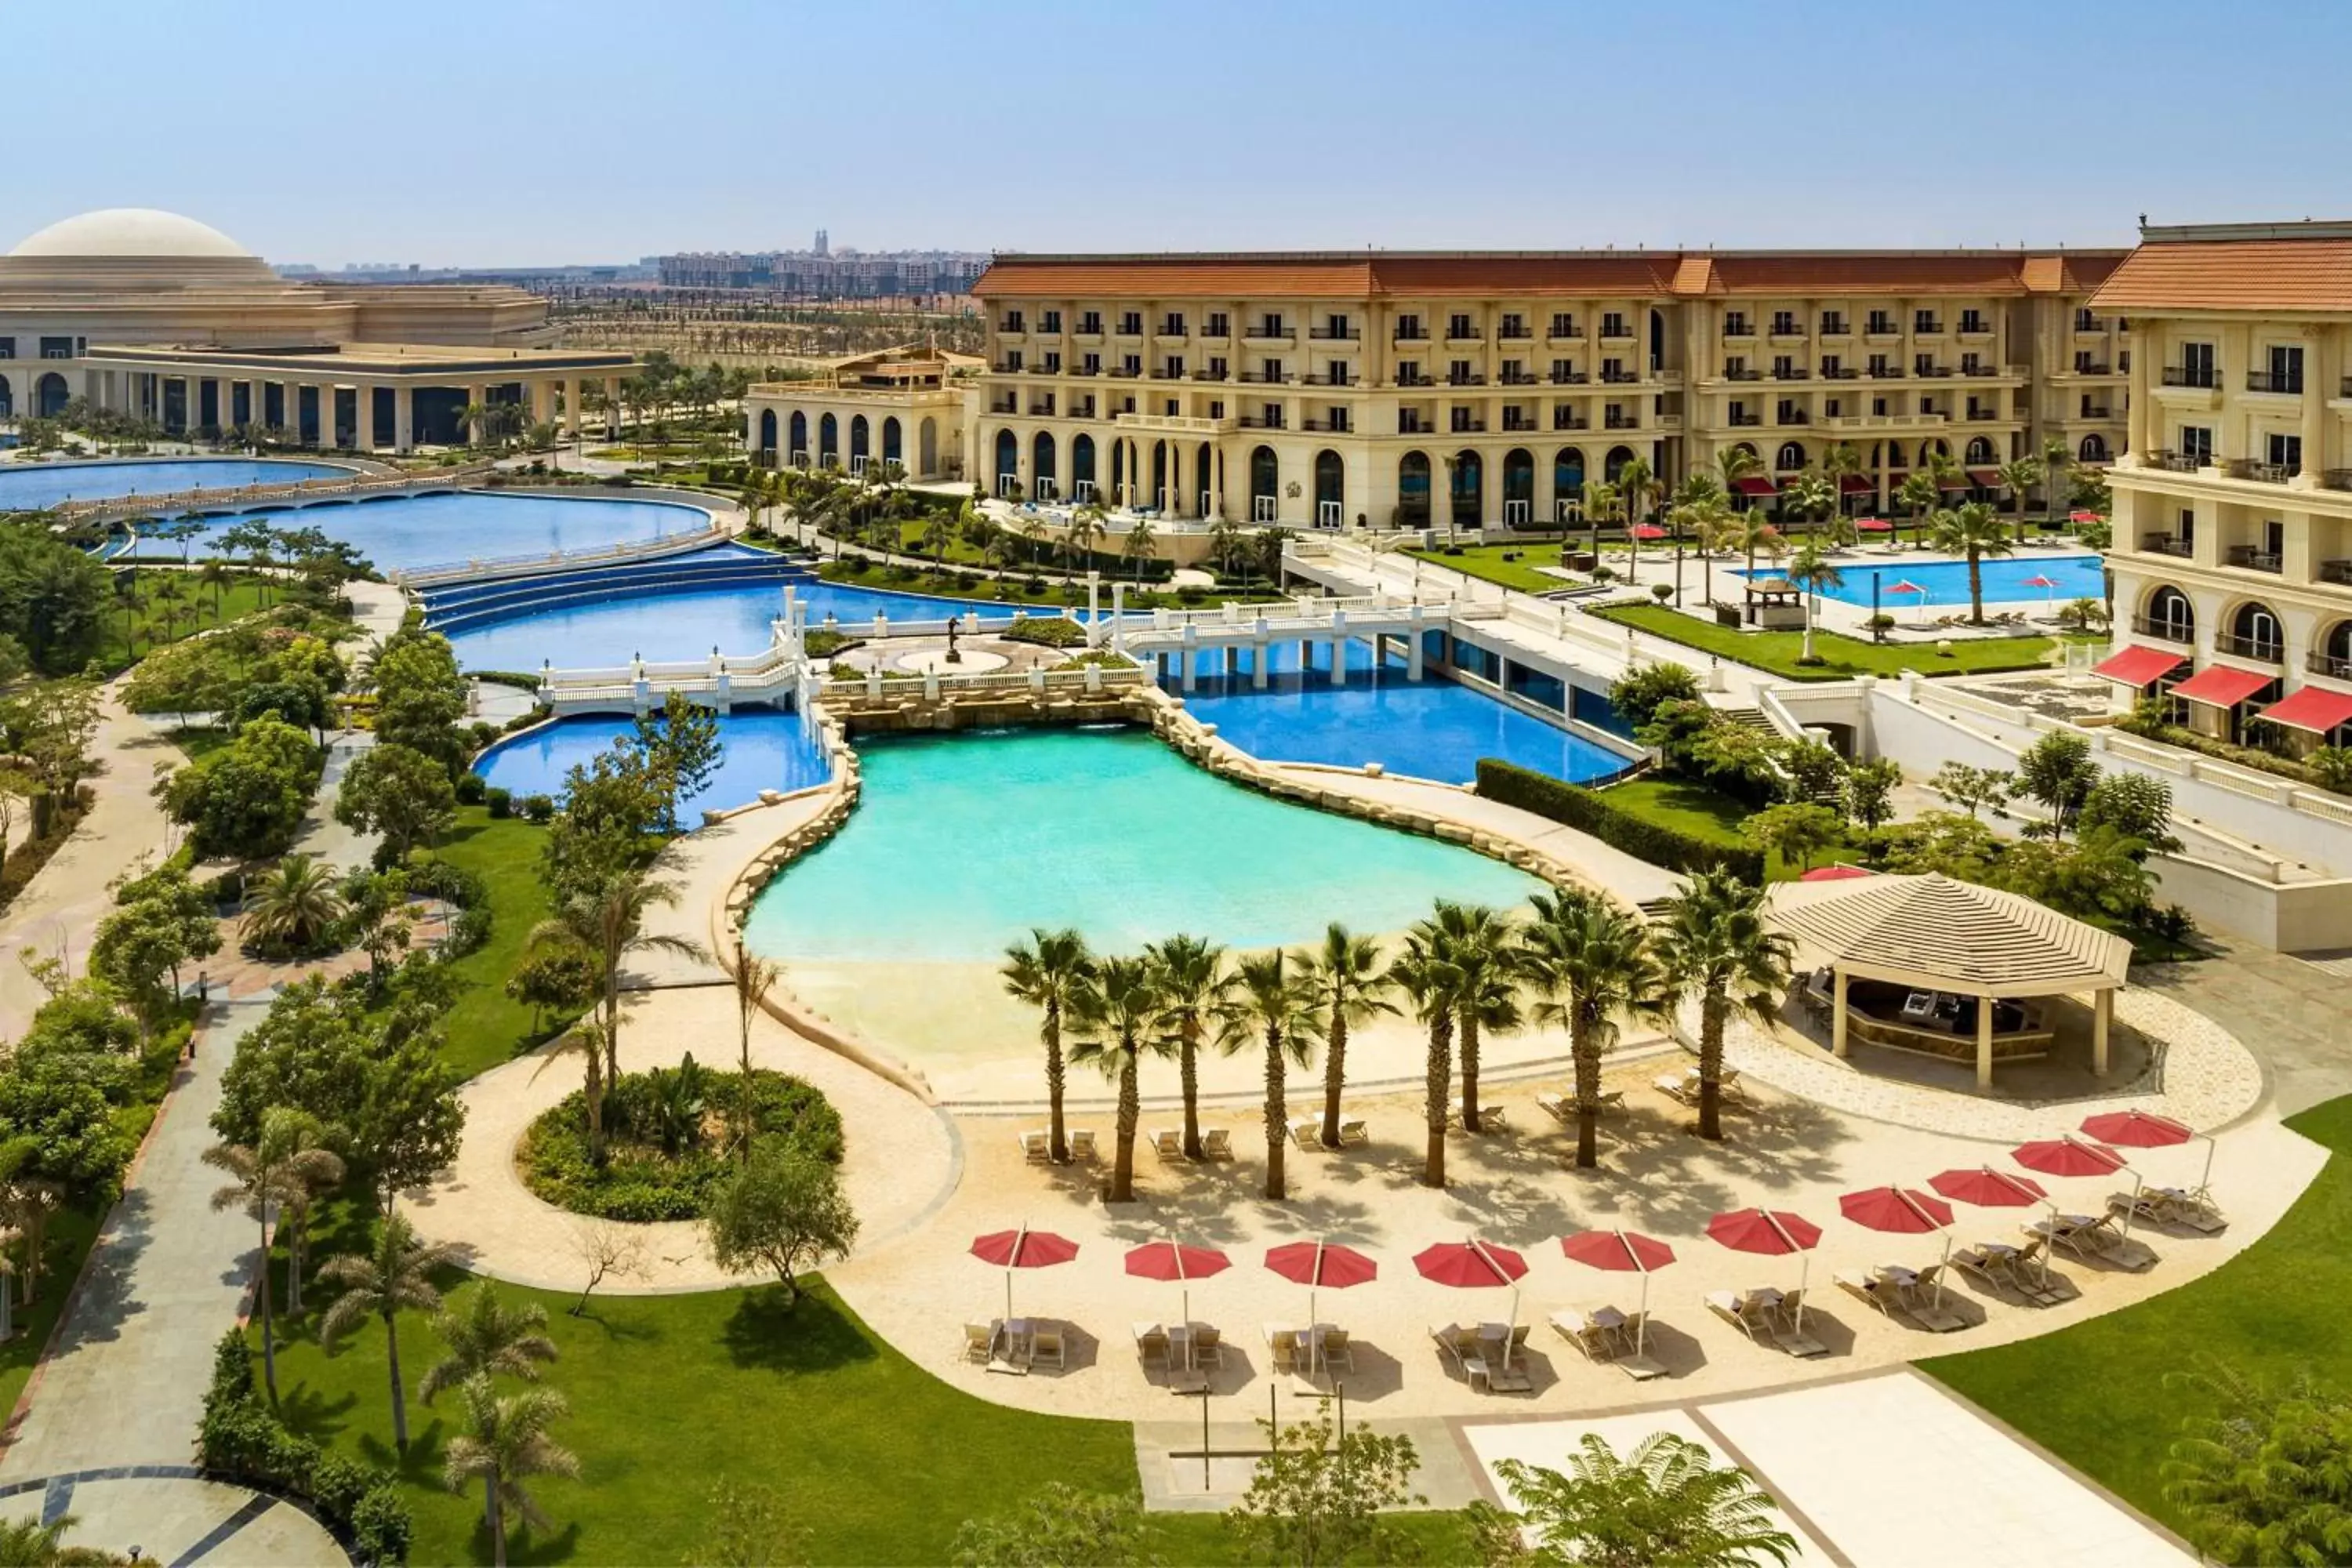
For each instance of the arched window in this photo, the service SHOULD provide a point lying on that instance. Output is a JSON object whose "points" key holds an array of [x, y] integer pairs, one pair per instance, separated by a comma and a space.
{"points": [[1790, 456], [927, 447], [50, 396], [767, 442], [800, 435], [1895, 456], [1467, 490], [1566, 483], [828, 442], [2093, 448], [1979, 450], [2339, 650], [1204, 479], [1412, 490], [7, 398], [1008, 462], [1041, 482], [1330, 489], [1161, 455], [1082, 463], [893, 449], [2254, 633], [1518, 486], [1615, 463], [1266, 485], [1938, 448], [858, 438], [2171, 615]]}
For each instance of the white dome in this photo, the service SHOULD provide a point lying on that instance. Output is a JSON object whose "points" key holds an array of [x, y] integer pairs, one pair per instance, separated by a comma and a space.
{"points": [[132, 232]]}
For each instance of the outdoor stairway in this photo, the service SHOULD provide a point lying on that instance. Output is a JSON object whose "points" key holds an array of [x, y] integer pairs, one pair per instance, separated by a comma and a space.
{"points": [[1655, 908], [1753, 721]]}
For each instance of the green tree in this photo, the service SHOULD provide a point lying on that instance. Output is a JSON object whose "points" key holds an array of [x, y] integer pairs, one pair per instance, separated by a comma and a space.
{"points": [[504, 1445], [396, 1275], [483, 1338], [1192, 981], [2058, 772], [2262, 1480], [1138, 545], [407, 1126], [375, 909], [1643, 689], [781, 1209], [420, 697], [1486, 955], [1115, 1013], [1055, 1526], [1919, 496], [52, 599], [1665, 1502], [1716, 943], [1587, 961], [48, 729], [682, 751], [1638, 487], [557, 976], [293, 906], [1869, 791], [1350, 990], [1811, 568], [1271, 1004], [1973, 788], [1315, 1499], [285, 1164], [2018, 476], [2138, 805], [1432, 981], [1974, 530], [400, 793], [163, 923], [1798, 829], [607, 918], [1047, 971], [247, 799]]}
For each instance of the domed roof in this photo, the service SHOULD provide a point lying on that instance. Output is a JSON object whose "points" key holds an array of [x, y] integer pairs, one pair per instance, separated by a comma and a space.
{"points": [[132, 232]]}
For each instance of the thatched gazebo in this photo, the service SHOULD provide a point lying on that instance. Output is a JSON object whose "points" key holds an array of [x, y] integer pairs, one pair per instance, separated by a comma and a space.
{"points": [[1930, 965]]}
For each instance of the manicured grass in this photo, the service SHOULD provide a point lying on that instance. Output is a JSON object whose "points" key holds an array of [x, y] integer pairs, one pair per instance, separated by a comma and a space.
{"points": [[70, 1233], [2097, 1395], [1703, 814], [1486, 562], [1053, 593], [875, 1458], [128, 636], [1841, 657], [485, 1028]]}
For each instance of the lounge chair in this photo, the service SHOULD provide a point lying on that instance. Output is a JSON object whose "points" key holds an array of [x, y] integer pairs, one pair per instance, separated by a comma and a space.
{"points": [[1787, 1327], [1334, 1351], [1034, 1147], [1921, 1299], [980, 1339], [1749, 1311], [1167, 1142], [1045, 1345], [1491, 1118], [1988, 1266], [1307, 1132], [2086, 1237], [1208, 1346], [1558, 1107], [1082, 1144], [1216, 1144], [1353, 1134], [1580, 1329], [2168, 1206], [1281, 1345], [1680, 1088], [1455, 1342], [1879, 1294]]}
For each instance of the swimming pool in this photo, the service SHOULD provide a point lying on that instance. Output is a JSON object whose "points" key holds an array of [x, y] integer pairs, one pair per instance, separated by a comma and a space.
{"points": [[1434, 728], [765, 750], [400, 532], [27, 487], [960, 843], [1947, 582]]}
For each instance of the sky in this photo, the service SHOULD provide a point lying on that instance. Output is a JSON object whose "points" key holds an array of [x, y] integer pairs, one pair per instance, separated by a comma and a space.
{"points": [[516, 132]]}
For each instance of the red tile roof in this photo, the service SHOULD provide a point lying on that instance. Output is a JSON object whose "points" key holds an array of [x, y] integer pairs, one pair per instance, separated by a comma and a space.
{"points": [[2288, 274]]}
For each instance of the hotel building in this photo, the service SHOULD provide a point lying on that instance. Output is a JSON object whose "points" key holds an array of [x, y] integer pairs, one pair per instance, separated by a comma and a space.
{"points": [[2232, 553], [1398, 389], [906, 406]]}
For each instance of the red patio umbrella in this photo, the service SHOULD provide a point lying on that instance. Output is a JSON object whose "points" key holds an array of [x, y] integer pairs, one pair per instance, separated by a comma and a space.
{"points": [[2086, 517], [2068, 1157], [2145, 1129], [1989, 1188], [1648, 530], [1774, 1233], [1872, 525], [1173, 1260], [1902, 1211], [1475, 1265], [1620, 1252], [1022, 1249], [1318, 1264], [1835, 873], [2049, 585]]}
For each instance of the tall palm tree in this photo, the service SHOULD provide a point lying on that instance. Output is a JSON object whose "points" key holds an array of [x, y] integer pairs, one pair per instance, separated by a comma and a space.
{"points": [[754, 977], [1085, 531], [1138, 545], [1811, 568], [396, 1275], [1601, 501], [215, 575], [1226, 540], [1192, 981], [1714, 943], [1735, 463], [1272, 1003], [2018, 476], [607, 918], [1918, 496], [284, 1158], [1840, 461], [1047, 971], [1972, 529], [1424, 971], [2056, 458], [505, 1444], [486, 1337], [1114, 1011], [1709, 520], [1350, 989], [1637, 484], [1484, 950], [1589, 959], [292, 905]]}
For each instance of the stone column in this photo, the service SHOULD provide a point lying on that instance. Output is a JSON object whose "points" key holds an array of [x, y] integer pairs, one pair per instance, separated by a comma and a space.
{"points": [[404, 417], [571, 406], [364, 431], [1984, 1042], [1838, 1044], [612, 406], [477, 396], [542, 402], [2103, 1012]]}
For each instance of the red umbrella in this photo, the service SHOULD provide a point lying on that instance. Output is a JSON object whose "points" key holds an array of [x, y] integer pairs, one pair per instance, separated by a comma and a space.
{"points": [[1315, 1264], [1173, 1260], [1906, 587], [1475, 1265], [1835, 873], [1872, 525], [1620, 1252], [2068, 1157], [2144, 1130], [1988, 1188], [1902, 1211], [1023, 1249], [1775, 1232], [2086, 517], [1648, 530]]}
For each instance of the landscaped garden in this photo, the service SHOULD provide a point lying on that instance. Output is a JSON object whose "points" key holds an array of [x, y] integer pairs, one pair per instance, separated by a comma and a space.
{"points": [[1840, 656]]}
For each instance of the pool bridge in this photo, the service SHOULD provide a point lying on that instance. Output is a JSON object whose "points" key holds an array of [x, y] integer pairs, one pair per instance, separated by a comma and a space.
{"points": [[291, 494]]}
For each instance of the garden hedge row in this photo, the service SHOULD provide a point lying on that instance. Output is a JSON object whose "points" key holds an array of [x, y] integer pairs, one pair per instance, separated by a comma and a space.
{"points": [[241, 1439], [1590, 810]]}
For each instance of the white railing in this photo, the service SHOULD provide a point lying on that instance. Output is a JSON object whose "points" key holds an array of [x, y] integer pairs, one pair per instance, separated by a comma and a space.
{"points": [[480, 568], [113, 507]]}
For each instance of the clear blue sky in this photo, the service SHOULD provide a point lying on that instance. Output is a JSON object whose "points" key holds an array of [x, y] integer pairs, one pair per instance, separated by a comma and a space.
{"points": [[514, 132]]}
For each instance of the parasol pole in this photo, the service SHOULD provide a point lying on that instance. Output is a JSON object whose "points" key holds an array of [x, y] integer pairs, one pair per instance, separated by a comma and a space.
{"points": [[1917, 1207], [1804, 1268], [1642, 1323]]}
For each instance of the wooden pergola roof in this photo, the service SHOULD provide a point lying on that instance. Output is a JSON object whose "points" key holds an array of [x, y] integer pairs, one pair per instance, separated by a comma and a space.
{"points": [[1939, 934]]}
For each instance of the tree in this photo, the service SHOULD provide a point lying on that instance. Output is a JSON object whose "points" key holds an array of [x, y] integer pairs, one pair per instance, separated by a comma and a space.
{"points": [[1973, 788], [555, 975], [1602, 499], [284, 1162], [400, 793], [682, 751], [1918, 495], [1972, 530], [606, 1249], [143, 942], [293, 906], [2057, 771], [407, 1124], [48, 728], [1315, 1498], [1083, 532], [1665, 1502], [1799, 829], [1425, 971], [1869, 791], [1639, 487], [2138, 805], [1589, 959], [2018, 476], [1055, 1526], [1047, 972], [396, 1275], [781, 1209], [1350, 990], [2262, 1478], [1138, 545], [1486, 959], [1715, 944], [375, 910], [1641, 690], [607, 917], [52, 599], [247, 799], [484, 1338], [1271, 1004], [420, 697], [504, 1445], [1192, 983], [1114, 1011], [748, 1528], [754, 978], [1812, 569]]}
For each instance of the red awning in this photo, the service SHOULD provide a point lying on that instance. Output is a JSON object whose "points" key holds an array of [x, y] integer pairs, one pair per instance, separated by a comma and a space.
{"points": [[1855, 484], [2219, 686], [1987, 478], [2137, 666], [2310, 709], [1752, 485], [1953, 482]]}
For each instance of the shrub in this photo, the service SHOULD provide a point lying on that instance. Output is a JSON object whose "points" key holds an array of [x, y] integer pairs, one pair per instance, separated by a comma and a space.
{"points": [[639, 1181], [241, 1439], [469, 933], [1591, 811], [1046, 631], [499, 800], [471, 788], [446, 880], [539, 808]]}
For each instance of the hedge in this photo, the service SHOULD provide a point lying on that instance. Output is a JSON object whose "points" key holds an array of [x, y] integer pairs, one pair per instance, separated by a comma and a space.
{"points": [[1590, 810], [241, 1439]]}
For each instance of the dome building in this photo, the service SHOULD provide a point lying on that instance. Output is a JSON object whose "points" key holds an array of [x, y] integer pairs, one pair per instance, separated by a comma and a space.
{"points": [[151, 312]]}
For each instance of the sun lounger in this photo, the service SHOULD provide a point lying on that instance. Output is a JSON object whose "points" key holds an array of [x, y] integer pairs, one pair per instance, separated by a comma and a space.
{"points": [[1167, 1142], [1208, 1346], [1307, 1132], [1150, 1344], [1034, 1148], [1879, 1294], [1749, 1311], [1082, 1144], [1216, 1144], [1558, 1107], [1334, 1351], [1281, 1345], [1491, 1118], [1353, 1134], [1785, 1323], [1045, 1345], [2088, 1237], [980, 1339], [1923, 1299], [1581, 1330], [1461, 1346], [2168, 1206]]}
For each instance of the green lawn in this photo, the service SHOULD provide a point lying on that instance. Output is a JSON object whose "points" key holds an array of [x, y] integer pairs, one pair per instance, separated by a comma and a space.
{"points": [[875, 1458], [1702, 813], [1486, 562], [2097, 1395], [1053, 593], [70, 1233], [485, 1028], [128, 635], [1841, 657]]}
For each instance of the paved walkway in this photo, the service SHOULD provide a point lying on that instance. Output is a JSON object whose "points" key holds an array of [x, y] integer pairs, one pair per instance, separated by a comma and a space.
{"points": [[322, 837], [173, 1515], [2290, 1010]]}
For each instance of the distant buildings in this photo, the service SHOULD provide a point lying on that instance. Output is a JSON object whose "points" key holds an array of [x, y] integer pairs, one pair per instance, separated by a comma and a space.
{"points": [[824, 273]]}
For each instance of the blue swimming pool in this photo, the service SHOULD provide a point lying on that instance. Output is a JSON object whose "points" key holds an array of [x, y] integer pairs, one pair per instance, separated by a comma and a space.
{"points": [[26, 487], [765, 750], [408, 531], [1434, 728], [2006, 580]]}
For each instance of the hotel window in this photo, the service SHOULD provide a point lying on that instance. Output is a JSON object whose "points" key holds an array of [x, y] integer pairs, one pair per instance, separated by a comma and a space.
{"points": [[1409, 329], [1563, 371], [1973, 321], [1336, 373], [1083, 407], [2085, 321], [1461, 417], [2197, 364], [1612, 325], [1049, 320], [1090, 365], [1924, 321], [1513, 371], [1409, 373], [1338, 418], [1833, 367], [1053, 362], [1563, 417], [1172, 407], [1130, 323], [1613, 371], [1832, 407], [1337, 329], [1784, 367], [2122, 362], [1174, 370], [1270, 370], [2196, 441], [1012, 359], [1878, 365], [1878, 408], [1090, 322], [1784, 323], [1132, 363], [1045, 405], [1270, 324], [1458, 326], [1514, 326], [2084, 361], [1563, 324], [1923, 364], [1127, 406], [1788, 413], [1735, 325], [2188, 525], [1832, 324], [1219, 325], [1013, 323], [1735, 367], [2287, 368], [1738, 413], [1971, 365], [2089, 408], [1270, 415], [2286, 450], [7, 348], [1216, 408], [1173, 324], [1880, 322], [1217, 367], [1458, 371]]}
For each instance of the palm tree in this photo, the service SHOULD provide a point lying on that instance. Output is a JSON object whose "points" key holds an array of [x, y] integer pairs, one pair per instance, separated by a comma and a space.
{"points": [[1483, 950], [215, 575], [1192, 983], [1138, 545], [1226, 539], [754, 978], [1665, 1502], [608, 920], [396, 1275], [1601, 499], [1636, 484], [1589, 959], [1811, 568], [285, 1159], [1085, 531], [505, 1444], [1272, 1003], [1116, 1010], [2056, 458], [1047, 971], [171, 593], [1735, 463], [2018, 476], [1810, 497], [1425, 971], [1350, 989], [292, 905], [1714, 943], [937, 534], [1972, 529], [1837, 463], [1918, 496], [487, 1338]]}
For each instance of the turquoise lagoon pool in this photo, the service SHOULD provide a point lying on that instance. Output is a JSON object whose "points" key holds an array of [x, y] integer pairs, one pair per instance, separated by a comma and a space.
{"points": [[30, 486], [960, 843], [1947, 582], [765, 750], [399, 532]]}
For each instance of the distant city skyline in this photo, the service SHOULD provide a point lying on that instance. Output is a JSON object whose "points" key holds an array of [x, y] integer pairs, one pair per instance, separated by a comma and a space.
{"points": [[540, 134]]}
